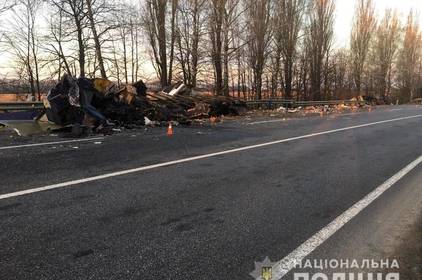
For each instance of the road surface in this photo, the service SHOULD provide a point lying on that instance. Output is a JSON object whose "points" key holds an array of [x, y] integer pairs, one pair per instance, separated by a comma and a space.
{"points": [[211, 200]]}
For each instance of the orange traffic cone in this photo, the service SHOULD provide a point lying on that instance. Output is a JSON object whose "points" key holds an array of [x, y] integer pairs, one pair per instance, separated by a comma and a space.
{"points": [[170, 130], [321, 114], [370, 109]]}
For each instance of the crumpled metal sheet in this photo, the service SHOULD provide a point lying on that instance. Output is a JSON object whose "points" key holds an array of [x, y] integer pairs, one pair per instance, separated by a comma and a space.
{"points": [[29, 127]]}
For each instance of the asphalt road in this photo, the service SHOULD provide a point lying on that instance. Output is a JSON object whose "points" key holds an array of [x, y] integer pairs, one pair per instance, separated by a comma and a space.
{"points": [[209, 217]]}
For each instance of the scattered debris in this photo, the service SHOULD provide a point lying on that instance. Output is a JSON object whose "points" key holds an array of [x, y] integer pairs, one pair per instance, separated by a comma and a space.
{"points": [[360, 98], [147, 121], [98, 105], [177, 89], [294, 110], [84, 106], [281, 109], [316, 110], [29, 127]]}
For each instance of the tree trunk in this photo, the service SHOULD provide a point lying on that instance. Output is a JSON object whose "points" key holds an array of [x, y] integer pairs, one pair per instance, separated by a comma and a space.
{"points": [[81, 47], [96, 40]]}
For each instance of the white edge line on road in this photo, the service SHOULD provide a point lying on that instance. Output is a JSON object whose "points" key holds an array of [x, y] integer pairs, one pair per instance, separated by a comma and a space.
{"points": [[282, 267], [153, 166], [50, 143]]}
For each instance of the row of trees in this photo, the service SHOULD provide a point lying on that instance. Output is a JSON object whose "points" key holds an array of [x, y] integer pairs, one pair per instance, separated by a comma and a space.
{"points": [[250, 48]]}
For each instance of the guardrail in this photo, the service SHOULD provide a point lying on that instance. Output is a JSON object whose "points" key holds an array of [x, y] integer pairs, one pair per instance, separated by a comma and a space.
{"points": [[20, 106], [274, 103], [267, 104]]}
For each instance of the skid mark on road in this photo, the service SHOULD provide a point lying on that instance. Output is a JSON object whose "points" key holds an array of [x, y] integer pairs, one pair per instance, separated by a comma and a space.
{"points": [[194, 158]]}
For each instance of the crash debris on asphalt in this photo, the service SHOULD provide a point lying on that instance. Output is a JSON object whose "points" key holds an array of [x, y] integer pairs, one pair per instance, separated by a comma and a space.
{"points": [[85, 105], [316, 110]]}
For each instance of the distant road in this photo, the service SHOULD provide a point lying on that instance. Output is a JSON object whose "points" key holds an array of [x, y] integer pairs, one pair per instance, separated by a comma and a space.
{"points": [[210, 201]]}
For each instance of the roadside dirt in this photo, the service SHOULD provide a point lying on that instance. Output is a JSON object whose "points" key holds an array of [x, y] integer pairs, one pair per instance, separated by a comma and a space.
{"points": [[409, 253]]}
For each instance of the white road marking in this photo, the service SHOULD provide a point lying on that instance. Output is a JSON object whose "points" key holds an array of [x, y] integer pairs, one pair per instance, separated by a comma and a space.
{"points": [[398, 109], [50, 143], [290, 261], [174, 162]]}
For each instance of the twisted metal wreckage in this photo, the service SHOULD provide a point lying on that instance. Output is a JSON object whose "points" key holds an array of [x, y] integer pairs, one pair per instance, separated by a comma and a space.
{"points": [[99, 105]]}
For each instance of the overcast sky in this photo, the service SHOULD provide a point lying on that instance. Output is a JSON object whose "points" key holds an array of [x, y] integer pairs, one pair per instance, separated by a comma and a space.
{"points": [[345, 10], [344, 18]]}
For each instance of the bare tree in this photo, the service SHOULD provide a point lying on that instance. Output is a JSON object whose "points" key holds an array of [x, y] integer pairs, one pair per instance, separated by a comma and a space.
{"points": [[156, 32], [259, 34], [341, 74], [74, 13], [56, 40], [6, 5], [409, 57], [318, 40], [385, 48], [302, 77], [362, 30], [190, 30], [231, 18], [173, 22], [222, 17], [155, 25], [125, 40], [23, 42], [259, 48], [96, 37], [3, 8], [216, 18], [120, 53], [239, 47], [287, 26]]}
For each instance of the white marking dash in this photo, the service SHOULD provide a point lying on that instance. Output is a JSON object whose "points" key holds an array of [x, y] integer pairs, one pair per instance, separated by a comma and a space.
{"points": [[294, 258], [50, 143], [194, 158]]}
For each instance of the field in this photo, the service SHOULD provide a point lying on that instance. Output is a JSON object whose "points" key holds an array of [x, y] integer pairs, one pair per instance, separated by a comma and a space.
{"points": [[11, 97]]}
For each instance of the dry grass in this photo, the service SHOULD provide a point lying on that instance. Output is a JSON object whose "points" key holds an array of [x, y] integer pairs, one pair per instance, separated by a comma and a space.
{"points": [[12, 97]]}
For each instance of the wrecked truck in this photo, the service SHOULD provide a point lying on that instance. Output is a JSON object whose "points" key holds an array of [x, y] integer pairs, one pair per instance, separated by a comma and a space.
{"points": [[93, 102], [98, 105], [100, 102]]}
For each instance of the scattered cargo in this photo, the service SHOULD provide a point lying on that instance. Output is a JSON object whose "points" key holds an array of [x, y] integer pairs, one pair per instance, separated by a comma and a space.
{"points": [[99, 105]]}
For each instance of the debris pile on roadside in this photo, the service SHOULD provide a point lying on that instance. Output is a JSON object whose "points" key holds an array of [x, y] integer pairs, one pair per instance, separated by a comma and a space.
{"points": [[329, 109], [316, 110], [100, 104], [309, 110]]}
